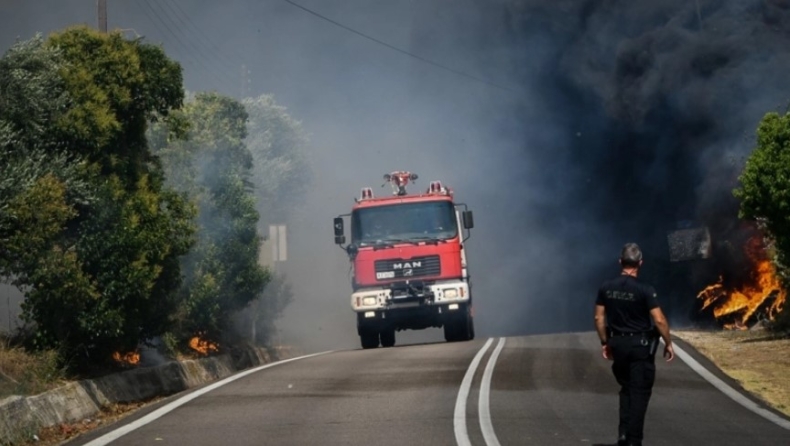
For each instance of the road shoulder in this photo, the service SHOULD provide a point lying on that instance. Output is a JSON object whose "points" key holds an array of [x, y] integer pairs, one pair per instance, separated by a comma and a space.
{"points": [[754, 364]]}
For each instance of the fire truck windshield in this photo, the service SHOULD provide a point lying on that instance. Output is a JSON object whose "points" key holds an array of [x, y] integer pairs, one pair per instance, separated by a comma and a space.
{"points": [[410, 222]]}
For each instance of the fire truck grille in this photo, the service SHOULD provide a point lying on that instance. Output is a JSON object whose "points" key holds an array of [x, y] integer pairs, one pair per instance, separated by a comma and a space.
{"points": [[404, 268]]}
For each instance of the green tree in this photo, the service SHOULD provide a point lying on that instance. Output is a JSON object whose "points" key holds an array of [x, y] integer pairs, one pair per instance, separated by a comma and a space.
{"points": [[116, 88], [213, 166], [282, 170], [41, 186], [282, 173], [764, 192], [99, 274], [32, 95]]}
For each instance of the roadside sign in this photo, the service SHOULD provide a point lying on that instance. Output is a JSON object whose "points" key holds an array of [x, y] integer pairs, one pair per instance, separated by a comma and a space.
{"points": [[278, 239]]}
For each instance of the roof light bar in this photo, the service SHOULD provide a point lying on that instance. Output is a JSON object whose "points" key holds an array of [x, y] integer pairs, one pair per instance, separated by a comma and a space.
{"points": [[436, 187], [367, 193]]}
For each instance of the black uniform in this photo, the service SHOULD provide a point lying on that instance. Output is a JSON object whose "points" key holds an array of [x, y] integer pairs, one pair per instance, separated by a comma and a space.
{"points": [[633, 341]]}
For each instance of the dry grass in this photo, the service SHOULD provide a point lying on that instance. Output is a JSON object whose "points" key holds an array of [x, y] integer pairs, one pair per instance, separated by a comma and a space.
{"points": [[24, 373], [759, 361]]}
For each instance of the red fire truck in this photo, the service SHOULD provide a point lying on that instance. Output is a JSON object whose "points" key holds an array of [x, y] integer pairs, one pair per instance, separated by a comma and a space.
{"points": [[409, 262]]}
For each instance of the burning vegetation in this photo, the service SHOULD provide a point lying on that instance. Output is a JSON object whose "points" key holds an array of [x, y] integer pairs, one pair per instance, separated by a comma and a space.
{"points": [[127, 359], [203, 346], [739, 304]]}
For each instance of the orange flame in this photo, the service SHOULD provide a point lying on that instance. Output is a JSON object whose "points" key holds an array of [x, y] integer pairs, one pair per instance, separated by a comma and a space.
{"points": [[202, 346], [742, 303], [131, 358]]}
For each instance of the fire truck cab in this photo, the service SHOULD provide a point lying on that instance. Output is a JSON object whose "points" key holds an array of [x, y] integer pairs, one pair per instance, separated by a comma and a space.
{"points": [[409, 262]]}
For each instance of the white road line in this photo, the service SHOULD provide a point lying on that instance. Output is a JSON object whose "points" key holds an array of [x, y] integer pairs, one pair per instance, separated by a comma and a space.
{"points": [[459, 418], [483, 409], [123, 430], [728, 390]]}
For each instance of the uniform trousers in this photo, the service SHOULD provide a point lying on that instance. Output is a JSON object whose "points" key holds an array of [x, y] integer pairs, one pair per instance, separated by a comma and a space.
{"points": [[634, 368]]}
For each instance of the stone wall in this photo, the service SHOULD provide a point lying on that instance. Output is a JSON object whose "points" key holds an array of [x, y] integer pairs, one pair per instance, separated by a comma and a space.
{"points": [[21, 417]]}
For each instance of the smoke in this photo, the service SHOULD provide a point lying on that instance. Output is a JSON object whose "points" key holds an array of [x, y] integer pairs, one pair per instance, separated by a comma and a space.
{"points": [[665, 97], [600, 122]]}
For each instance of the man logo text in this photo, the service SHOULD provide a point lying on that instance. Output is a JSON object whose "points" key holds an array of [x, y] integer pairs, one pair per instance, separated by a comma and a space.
{"points": [[407, 265]]}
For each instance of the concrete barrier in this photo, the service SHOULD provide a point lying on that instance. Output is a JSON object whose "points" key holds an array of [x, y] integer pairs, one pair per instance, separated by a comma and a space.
{"points": [[22, 417]]}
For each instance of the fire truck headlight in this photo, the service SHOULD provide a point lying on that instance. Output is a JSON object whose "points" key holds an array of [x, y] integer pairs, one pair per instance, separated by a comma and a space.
{"points": [[369, 300], [450, 293]]}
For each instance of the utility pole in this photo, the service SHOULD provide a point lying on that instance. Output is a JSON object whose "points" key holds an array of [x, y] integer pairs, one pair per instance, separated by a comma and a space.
{"points": [[102, 4]]}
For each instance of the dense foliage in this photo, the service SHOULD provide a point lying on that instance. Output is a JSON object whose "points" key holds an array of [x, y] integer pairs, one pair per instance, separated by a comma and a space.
{"points": [[281, 166], [213, 167], [126, 214], [765, 193], [89, 231]]}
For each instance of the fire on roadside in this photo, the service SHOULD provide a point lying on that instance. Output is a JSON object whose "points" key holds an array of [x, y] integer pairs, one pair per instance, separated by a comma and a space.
{"points": [[736, 306], [130, 358], [203, 346]]}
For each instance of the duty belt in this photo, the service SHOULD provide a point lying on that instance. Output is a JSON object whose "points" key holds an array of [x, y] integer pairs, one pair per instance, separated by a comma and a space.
{"points": [[615, 333]]}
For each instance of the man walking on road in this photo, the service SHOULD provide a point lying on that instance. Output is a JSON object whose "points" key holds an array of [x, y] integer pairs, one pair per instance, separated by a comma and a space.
{"points": [[627, 316]]}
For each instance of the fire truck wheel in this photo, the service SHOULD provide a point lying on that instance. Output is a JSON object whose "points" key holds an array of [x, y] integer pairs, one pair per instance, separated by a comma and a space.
{"points": [[450, 332], [466, 329], [460, 329], [369, 339], [388, 337]]}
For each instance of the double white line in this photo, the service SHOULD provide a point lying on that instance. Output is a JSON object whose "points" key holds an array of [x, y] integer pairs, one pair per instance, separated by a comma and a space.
{"points": [[483, 410]]}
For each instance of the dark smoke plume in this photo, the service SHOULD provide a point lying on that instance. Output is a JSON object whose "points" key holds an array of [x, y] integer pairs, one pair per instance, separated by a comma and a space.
{"points": [[664, 98]]}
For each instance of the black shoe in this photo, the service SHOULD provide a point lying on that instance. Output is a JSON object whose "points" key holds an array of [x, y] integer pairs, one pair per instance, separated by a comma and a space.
{"points": [[622, 441]]}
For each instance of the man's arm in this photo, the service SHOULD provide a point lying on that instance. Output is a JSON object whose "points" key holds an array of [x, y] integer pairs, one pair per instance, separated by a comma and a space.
{"points": [[661, 324], [663, 328], [600, 322], [600, 327]]}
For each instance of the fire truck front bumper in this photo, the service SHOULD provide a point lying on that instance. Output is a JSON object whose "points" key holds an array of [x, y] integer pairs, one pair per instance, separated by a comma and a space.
{"points": [[447, 294]]}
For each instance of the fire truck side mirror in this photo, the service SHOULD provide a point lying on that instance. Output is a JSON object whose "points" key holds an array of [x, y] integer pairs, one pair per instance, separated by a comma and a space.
{"points": [[340, 237], [469, 221]]}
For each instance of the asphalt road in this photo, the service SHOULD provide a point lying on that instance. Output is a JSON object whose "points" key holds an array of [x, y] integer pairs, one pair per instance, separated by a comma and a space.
{"points": [[538, 390]]}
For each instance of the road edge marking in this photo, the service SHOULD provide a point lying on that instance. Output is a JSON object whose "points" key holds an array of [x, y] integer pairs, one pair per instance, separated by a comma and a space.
{"points": [[728, 390], [484, 410], [169, 407], [459, 415]]}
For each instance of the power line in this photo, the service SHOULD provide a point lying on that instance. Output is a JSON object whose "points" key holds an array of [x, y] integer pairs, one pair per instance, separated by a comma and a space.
{"points": [[199, 48], [196, 29], [400, 50], [189, 29], [154, 17]]}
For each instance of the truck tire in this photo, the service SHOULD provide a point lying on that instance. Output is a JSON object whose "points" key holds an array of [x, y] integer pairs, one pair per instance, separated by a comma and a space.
{"points": [[387, 337], [450, 332], [369, 339], [461, 328]]}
